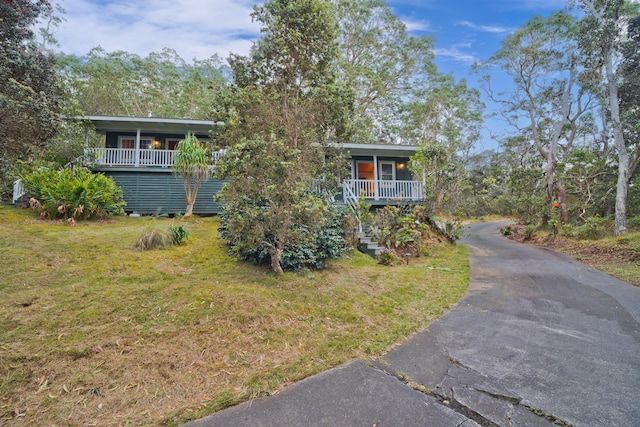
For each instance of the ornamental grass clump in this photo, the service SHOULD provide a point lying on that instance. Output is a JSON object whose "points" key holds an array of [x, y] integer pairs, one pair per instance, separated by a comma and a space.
{"points": [[154, 239]]}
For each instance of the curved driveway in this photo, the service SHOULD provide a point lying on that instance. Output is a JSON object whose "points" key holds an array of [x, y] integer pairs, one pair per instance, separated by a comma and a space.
{"points": [[535, 329], [538, 339]]}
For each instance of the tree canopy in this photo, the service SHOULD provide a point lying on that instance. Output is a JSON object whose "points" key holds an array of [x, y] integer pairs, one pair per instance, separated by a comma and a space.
{"points": [[31, 96]]}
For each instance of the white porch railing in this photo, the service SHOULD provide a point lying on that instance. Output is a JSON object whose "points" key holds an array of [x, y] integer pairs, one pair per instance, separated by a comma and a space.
{"points": [[18, 190], [382, 189], [131, 157]]}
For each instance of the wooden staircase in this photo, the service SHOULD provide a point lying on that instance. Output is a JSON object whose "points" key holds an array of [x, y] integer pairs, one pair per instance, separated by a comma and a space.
{"points": [[368, 246]]}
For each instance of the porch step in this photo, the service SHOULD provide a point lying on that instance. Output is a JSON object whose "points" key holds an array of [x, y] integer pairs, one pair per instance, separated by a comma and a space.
{"points": [[368, 246]]}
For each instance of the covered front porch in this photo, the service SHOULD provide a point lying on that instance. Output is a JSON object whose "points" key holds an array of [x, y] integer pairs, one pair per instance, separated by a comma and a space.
{"points": [[380, 191], [380, 174], [132, 157]]}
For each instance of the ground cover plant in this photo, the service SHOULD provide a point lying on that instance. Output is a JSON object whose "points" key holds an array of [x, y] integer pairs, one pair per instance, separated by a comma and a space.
{"points": [[95, 332]]}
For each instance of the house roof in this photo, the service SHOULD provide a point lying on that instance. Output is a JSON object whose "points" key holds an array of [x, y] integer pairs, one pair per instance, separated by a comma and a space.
{"points": [[147, 124], [167, 125], [393, 150]]}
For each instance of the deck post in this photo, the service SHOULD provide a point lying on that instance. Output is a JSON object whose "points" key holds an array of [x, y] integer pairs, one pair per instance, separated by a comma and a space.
{"points": [[137, 152], [376, 194]]}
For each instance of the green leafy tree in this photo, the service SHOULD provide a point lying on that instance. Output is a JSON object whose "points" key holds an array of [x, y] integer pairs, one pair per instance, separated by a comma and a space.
{"points": [[381, 62], [286, 107], [191, 162], [162, 84], [546, 102], [444, 118], [630, 94], [30, 93], [601, 35]]}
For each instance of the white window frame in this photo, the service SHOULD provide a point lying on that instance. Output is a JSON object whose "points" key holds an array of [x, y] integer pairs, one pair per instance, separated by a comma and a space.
{"points": [[393, 170], [150, 139]]}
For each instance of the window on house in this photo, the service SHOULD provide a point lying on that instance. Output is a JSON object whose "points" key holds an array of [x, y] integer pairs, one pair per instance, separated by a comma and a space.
{"points": [[387, 171]]}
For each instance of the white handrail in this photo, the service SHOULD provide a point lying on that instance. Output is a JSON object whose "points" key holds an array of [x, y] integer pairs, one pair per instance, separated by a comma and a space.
{"points": [[382, 189], [127, 157], [18, 190]]}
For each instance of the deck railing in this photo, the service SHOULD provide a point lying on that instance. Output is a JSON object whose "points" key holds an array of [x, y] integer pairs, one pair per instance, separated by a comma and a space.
{"points": [[131, 157], [18, 190], [381, 189]]}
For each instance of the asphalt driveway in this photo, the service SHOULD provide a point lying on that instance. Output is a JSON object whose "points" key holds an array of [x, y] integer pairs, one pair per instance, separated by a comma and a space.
{"points": [[538, 339]]}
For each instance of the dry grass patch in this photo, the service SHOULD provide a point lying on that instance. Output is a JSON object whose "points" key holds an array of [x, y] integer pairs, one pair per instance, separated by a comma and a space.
{"points": [[93, 331]]}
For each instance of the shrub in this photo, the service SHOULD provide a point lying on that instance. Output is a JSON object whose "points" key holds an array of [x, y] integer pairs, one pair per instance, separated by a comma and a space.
{"points": [[321, 244], [409, 229], [388, 257], [506, 231], [74, 194], [154, 239], [178, 234], [592, 228], [530, 231]]}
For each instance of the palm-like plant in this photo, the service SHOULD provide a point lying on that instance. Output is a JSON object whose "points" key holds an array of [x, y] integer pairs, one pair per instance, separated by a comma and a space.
{"points": [[193, 164]]}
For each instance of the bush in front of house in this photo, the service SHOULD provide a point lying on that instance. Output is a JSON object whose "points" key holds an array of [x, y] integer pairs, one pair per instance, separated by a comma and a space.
{"points": [[73, 194], [321, 244]]}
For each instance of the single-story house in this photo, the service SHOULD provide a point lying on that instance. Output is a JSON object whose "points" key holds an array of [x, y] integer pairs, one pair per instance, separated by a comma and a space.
{"points": [[138, 153]]}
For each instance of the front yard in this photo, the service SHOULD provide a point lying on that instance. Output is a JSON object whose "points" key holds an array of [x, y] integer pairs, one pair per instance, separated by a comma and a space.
{"points": [[94, 332]]}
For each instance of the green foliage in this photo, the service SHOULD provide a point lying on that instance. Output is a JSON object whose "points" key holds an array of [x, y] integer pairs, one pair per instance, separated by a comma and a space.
{"points": [[362, 213], [31, 96], [530, 231], [404, 229], [506, 231], [594, 227], [178, 234], [382, 63], [125, 84], [388, 257], [526, 202], [191, 162], [154, 239], [74, 193], [286, 106], [317, 242], [454, 230]]}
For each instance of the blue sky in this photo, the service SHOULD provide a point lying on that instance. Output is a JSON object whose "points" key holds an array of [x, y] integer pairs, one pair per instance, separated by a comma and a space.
{"points": [[465, 30]]}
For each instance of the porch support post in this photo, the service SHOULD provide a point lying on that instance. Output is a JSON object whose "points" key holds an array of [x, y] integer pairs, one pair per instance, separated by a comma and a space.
{"points": [[137, 153], [376, 194]]}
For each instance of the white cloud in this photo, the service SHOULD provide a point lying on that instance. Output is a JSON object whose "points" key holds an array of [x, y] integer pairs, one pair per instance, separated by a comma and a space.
{"points": [[194, 28], [494, 29], [415, 24], [454, 52]]}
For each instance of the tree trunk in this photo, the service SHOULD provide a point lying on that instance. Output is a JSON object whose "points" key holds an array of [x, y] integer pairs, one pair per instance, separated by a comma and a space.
{"points": [[623, 156], [562, 200], [439, 199], [275, 254], [189, 212]]}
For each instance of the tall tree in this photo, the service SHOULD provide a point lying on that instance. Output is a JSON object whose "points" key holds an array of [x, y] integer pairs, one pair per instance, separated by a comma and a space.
{"points": [[444, 118], [162, 84], [30, 93], [601, 35], [630, 93], [382, 63], [546, 102], [286, 107]]}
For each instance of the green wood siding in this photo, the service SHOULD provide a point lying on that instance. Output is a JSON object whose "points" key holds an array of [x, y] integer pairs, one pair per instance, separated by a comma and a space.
{"points": [[160, 192]]}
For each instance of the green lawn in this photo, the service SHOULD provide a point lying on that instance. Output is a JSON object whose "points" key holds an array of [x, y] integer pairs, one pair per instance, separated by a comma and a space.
{"points": [[94, 332]]}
